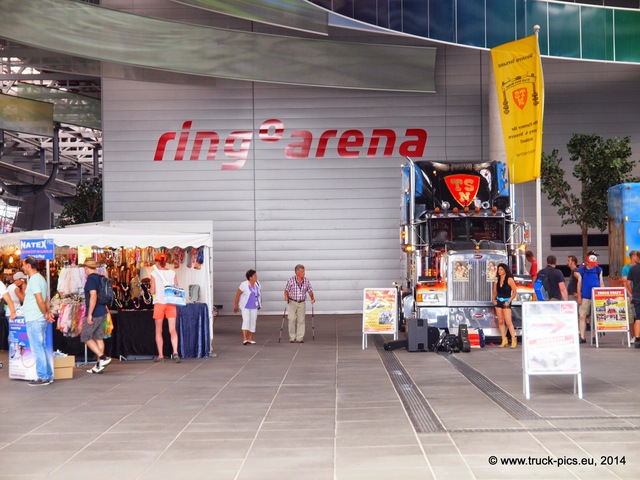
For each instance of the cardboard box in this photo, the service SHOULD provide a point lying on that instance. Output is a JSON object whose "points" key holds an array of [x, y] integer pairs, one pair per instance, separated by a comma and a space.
{"points": [[63, 367], [68, 361]]}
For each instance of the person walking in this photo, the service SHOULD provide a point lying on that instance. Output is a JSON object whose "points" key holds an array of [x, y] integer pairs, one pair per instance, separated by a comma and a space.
{"points": [[572, 286], [36, 315], [161, 276], [557, 287], [92, 334], [504, 291], [589, 277], [248, 302], [295, 294]]}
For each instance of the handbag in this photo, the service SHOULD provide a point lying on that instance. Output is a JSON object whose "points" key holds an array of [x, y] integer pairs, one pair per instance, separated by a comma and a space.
{"points": [[174, 295]]}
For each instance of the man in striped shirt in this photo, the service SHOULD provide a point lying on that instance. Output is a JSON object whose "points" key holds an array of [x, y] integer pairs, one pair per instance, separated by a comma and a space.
{"points": [[295, 294]]}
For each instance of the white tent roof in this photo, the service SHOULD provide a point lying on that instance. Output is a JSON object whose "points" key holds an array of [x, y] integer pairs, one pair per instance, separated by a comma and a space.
{"points": [[128, 234]]}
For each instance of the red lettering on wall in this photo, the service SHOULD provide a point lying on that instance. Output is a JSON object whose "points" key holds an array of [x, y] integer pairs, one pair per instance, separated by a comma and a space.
{"points": [[350, 140], [351, 143], [414, 148], [300, 149]]}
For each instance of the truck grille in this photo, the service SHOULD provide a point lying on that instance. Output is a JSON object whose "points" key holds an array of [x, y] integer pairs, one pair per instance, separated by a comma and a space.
{"points": [[468, 280]]}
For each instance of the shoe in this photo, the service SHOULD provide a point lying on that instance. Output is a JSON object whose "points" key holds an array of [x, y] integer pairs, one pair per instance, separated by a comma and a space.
{"points": [[105, 362], [582, 340], [504, 342], [158, 360], [175, 358], [514, 342], [39, 382], [300, 341], [252, 342], [246, 342], [637, 344], [96, 369], [291, 341]]}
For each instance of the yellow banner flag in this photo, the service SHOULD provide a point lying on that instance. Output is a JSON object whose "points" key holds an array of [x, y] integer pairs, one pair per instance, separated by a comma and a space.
{"points": [[518, 74]]}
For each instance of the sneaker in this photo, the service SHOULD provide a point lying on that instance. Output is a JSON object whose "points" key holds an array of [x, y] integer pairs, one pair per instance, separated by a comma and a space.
{"points": [[291, 341], [245, 342], [300, 341], [105, 362], [96, 369], [158, 360], [175, 358], [582, 340], [252, 342], [38, 383]]}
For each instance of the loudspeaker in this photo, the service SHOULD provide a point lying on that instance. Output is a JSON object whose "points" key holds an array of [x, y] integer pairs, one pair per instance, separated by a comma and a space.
{"points": [[395, 344], [417, 335], [463, 338], [433, 337]]}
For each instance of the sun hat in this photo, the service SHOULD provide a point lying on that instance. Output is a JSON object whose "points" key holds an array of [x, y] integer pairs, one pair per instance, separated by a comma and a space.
{"points": [[19, 276], [90, 263]]}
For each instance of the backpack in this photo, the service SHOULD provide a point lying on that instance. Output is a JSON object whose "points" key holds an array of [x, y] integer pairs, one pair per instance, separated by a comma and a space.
{"points": [[105, 291], [541, 286]]}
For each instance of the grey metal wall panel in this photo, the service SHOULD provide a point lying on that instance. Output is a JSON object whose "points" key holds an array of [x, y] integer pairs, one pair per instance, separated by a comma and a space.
{"points": [[338, 216]]}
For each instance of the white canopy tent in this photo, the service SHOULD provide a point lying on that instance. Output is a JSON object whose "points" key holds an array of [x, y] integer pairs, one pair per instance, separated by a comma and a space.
{"points": [[131, 234]]}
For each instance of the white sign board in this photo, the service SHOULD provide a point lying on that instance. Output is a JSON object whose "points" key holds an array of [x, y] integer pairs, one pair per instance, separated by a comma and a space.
{"points": [[551, 341], [379, 312]]}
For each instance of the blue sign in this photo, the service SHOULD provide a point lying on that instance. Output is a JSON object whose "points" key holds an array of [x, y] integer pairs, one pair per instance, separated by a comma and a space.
{"points": [[40, 249]]}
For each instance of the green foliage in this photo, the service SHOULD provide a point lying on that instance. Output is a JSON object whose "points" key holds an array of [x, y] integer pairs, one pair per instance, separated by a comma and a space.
{"points": [[599, 164], [86, 207]]}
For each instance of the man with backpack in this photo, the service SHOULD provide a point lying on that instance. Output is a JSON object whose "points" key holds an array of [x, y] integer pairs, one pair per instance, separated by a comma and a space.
{"points": [[589, 277], [96, 313], [555, 287]]}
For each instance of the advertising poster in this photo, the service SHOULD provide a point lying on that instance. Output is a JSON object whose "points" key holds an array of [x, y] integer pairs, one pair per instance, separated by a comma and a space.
{"points": [[551, 340], [610, 309], [22, 361], [379, 310]]}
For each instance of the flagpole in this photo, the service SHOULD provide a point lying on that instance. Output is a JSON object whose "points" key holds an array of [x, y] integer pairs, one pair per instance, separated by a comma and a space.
{"points": [[536, 30]]}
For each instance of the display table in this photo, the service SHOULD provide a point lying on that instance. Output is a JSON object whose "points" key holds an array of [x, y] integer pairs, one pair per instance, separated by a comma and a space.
{"points": [[134, 332]]}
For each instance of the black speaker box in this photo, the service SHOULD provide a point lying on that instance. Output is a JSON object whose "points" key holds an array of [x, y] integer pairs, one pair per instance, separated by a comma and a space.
{"points": [[417, 335], [433, 337], [463, 338], [395, 344]]}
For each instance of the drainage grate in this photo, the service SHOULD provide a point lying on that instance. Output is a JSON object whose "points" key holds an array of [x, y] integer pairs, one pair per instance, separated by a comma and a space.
{"points": [[422, 416], [512, 406]]}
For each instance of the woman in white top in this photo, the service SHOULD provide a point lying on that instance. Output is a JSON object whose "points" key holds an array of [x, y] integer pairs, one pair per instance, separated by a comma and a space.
{"points": [[161, 276], [16, 289], [248, 301]]}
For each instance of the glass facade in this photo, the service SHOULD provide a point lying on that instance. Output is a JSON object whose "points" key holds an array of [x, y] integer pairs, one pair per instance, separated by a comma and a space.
{"points": [[590, 30]]}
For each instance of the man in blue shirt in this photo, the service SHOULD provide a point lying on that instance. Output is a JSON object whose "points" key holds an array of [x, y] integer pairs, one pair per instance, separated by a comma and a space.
{"points": [[36, 315], [589, 277], [92, 334]]}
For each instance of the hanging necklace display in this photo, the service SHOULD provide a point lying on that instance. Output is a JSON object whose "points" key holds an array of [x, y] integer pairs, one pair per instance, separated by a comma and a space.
{"points": [[146, 294]]}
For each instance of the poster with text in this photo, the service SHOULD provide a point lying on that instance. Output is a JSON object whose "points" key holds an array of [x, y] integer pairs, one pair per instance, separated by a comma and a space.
{"points": [[379, 310], [609, 307]]}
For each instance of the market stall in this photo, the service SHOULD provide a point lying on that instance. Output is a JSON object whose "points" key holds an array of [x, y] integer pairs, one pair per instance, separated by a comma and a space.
{"points": [[127, 248]]}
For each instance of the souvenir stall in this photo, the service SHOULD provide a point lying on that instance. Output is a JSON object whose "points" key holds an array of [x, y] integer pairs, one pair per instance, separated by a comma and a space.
{"points": [[126, 252]]}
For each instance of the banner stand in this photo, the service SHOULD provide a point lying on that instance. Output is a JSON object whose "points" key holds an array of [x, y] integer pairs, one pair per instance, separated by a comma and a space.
{"points": [[379, 313], [609, 313], [551, 342]]}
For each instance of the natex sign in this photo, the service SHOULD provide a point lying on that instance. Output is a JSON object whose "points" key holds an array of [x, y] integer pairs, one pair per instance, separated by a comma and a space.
{"points": [[351, 143]]}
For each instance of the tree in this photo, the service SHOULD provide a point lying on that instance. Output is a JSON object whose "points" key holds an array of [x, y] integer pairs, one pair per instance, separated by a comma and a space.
{"points": [[86, 207], [600, 164]]}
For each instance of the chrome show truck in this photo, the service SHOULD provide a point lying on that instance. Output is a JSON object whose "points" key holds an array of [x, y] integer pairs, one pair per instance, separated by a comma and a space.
{"points": [[457, 225]]}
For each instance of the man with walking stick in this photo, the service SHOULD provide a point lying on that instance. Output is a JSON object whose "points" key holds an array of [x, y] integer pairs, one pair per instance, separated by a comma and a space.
{"points": [[295, 294]]}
